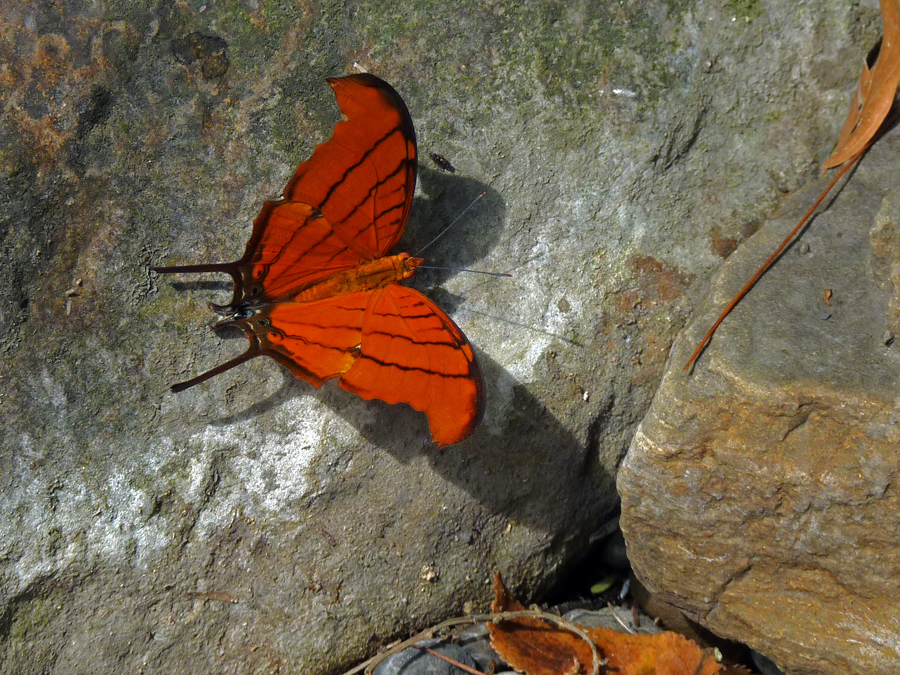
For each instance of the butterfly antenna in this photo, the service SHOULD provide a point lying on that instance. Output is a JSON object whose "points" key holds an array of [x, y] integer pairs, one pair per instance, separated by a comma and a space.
{"points": [[455, 220], [462, 269]]}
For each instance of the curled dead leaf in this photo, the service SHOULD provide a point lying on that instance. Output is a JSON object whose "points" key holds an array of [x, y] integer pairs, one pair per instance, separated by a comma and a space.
{"points": [[533, 647]]}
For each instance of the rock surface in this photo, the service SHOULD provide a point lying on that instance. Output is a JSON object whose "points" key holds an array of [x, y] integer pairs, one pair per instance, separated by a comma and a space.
{"points": [[761, 494], [254, 523]]}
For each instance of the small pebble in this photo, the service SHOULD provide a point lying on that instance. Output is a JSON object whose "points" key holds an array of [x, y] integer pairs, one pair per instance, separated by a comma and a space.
{"points": [[888, 338], [803, 249], [824, 316]]}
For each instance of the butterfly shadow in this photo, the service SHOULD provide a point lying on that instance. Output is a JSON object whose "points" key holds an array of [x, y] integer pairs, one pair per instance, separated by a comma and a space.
{"points": [[452, 227], [202, 285], [525, 465], [522, 461], [536, 471]]}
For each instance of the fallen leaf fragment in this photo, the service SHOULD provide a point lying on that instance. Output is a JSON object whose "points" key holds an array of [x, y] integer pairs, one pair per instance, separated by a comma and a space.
{"points": [[534, 647], [875, 93], [530, 645], [826, 296]]}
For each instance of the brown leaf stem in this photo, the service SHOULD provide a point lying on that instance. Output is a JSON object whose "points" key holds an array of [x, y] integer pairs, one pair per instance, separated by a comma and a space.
{"points": [[771, 259]]}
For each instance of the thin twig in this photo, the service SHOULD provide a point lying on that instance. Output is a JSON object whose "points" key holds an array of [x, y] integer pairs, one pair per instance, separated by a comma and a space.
{"points": [[452, 662], [497, 617], [702, 663], [612, 609], [768, 263], [212, 595]]}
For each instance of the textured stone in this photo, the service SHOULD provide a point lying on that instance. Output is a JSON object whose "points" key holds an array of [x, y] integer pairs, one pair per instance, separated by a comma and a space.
{"points": [[761, 494], [624, 148]]}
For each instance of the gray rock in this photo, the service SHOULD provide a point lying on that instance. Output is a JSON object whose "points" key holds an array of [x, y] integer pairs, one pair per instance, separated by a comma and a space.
{"points": [[254, 523], [612, 618]]}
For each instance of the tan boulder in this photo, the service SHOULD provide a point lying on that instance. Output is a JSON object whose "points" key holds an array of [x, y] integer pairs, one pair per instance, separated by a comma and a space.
{"points": [[761, 494]]}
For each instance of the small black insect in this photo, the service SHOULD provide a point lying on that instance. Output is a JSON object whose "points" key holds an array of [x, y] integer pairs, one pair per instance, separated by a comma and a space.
{"points": [[442, 162]]}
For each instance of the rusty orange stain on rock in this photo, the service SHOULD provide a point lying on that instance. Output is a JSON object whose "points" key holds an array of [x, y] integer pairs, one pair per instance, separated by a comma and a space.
{"points": [[658, 281], [720, 245]]}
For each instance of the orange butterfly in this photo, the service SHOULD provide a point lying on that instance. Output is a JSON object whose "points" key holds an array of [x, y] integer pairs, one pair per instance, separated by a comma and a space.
{"points": [[316, 290]]}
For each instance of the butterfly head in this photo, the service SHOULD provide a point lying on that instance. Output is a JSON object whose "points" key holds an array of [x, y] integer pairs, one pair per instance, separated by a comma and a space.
{"points": [[231, 314], [408, 264]]}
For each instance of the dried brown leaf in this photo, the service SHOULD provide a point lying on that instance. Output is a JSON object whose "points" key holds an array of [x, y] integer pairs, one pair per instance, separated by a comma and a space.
{"points": [[536, 648], [876, 92], [530, 645]]}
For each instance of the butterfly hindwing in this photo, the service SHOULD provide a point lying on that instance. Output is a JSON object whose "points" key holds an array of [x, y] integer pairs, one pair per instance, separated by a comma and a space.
{"points": [[393, 344], [316, 340], [411, 352]]}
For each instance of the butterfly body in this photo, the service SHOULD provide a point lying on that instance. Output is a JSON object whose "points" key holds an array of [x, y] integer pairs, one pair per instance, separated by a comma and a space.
{"points": [[317, 291], [368, 276]]}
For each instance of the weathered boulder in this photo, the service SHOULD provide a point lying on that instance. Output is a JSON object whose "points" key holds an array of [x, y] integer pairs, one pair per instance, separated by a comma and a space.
{"points": [[761, 494]]}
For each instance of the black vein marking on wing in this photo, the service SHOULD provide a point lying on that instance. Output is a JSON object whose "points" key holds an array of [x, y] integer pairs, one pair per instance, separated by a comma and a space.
{"points": [[447, 338], [305, 340], [365, 157], [388, 209], [426, 309], [381, 198], [325, 249], [411, 301], [293, 365], [402, 166], [313, 249], [300, 324], [395, 336], [313, 343], [284, 249], [390, 364]]}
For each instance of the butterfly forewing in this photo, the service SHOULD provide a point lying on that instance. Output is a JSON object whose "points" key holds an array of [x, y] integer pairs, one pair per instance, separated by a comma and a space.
{"points": [[364, 177], [292, 246]]}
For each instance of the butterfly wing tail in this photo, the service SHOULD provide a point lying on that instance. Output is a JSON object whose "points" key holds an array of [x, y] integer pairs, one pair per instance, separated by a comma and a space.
{"points": [[221, 368], [316, 341]]}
